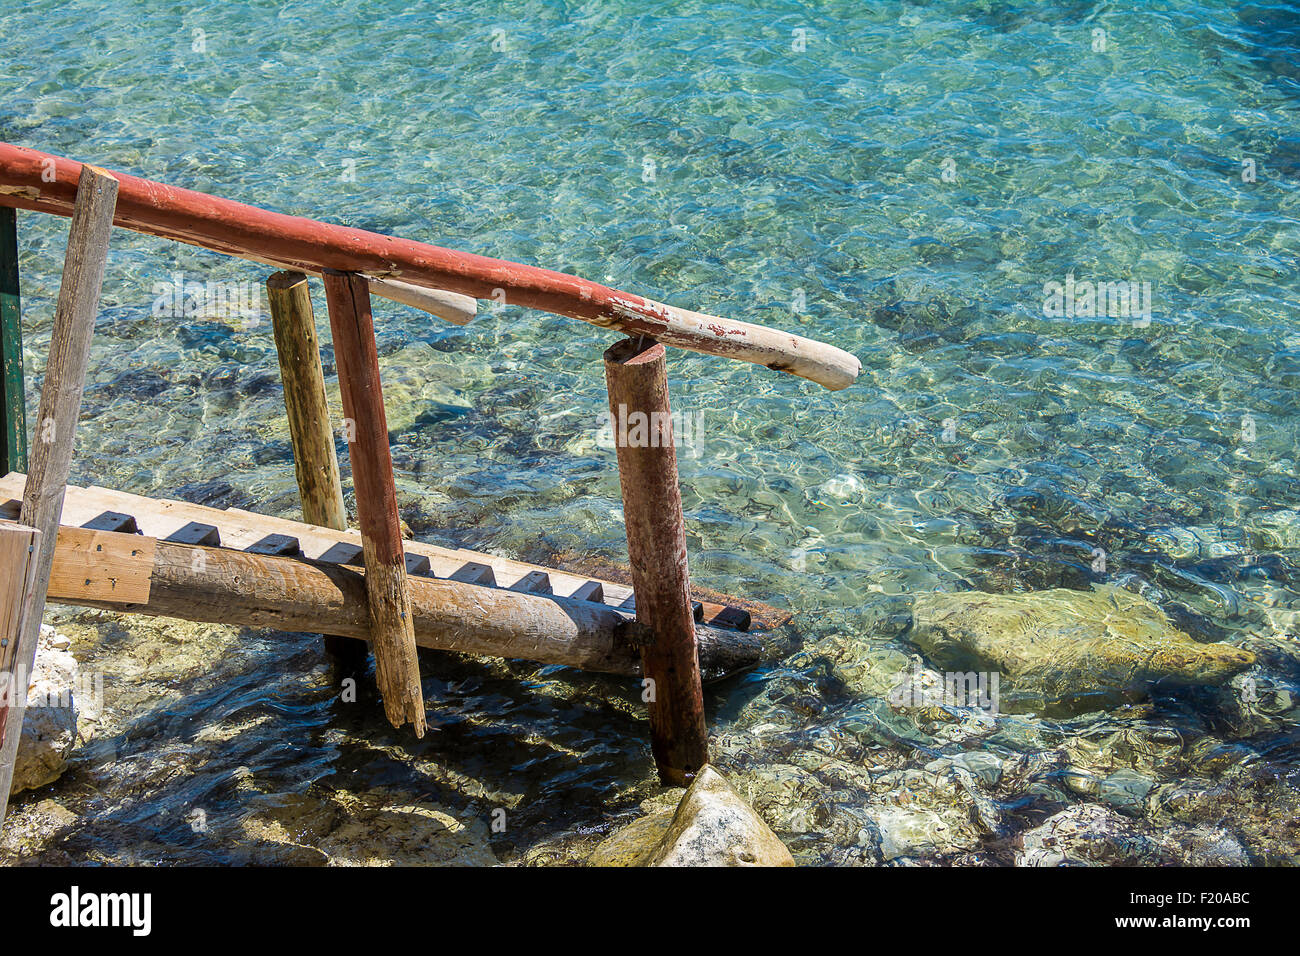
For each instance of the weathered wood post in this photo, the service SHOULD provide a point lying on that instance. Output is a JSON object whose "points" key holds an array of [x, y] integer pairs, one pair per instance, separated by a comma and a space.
{"points": [[56, 425], [636, 377], [18, 546], [366, 428], [13, 410], [315, 464]]}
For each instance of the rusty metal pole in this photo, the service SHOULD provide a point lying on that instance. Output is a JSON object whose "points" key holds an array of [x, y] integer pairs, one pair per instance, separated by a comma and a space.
{"points": [[636, 376]]}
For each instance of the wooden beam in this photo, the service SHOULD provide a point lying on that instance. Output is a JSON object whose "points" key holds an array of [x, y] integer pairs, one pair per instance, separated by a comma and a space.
{"points": [[392, 636], [18, 547], [293, 242], [61, 393], [13, 408], [448, 306], [637, 380], [315, 464], [197, 583]]}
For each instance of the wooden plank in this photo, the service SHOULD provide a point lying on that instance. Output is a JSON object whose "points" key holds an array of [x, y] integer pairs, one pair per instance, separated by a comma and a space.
{"points": [[13, 406], [392, 634], [283, 545], [239, 529], [101, 566], [305, 244], [163, 518], [418, 564], [591, 591], [61, 394], [195, 532], [343, 553], [295, 594], [113, 521], [448, 306], [637, 381], [472, 572], [535, 582]]}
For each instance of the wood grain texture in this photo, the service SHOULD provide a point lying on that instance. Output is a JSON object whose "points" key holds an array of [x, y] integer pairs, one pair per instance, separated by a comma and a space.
{"points": [[293, 242], [238, 528], [56, 422], [315, 464], [101, 566], [18, 546], [297, 594], [637, 380], [392, 635]]}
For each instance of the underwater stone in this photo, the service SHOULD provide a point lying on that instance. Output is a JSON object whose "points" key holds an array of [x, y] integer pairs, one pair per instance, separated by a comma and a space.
{"points": [[1092, 835], [1062, 651], [712, 826]]}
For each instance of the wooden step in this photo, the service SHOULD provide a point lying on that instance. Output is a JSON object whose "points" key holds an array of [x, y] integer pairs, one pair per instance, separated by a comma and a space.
{"points": [[263, 534]]}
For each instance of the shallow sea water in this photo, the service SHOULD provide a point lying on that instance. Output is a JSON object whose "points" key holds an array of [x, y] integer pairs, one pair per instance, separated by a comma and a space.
{"points": [[902, 187]]}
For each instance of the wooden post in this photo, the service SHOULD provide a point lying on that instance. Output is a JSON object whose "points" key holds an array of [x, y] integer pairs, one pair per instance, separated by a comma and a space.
{"points": [[18, 547], [392, 633], [314, 463], [637, 380], [13, 410], [51, 453]]}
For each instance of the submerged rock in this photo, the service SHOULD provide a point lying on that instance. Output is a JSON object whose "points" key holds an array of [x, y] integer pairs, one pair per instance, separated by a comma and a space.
{"points": [[1091, 835], [712, 826], [367, 829], [50, 722], [1062, 651]]}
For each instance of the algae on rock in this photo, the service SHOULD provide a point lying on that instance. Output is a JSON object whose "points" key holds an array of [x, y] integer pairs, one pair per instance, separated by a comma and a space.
{"points": [[1063, 651]]}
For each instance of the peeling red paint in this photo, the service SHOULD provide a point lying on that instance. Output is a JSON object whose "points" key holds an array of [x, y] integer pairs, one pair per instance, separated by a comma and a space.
{"points": [[239, 229]]}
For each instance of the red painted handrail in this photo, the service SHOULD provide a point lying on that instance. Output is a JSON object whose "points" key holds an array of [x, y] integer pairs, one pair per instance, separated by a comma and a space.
{"points": [[30, 179]]}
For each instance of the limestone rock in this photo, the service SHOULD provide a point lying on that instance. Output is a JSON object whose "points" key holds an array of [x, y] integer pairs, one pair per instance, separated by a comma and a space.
{"points": [[50, 723], [712, 826], [1063, 651]]}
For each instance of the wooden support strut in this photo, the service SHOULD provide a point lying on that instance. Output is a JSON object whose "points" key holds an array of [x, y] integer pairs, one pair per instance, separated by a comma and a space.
{"points": [[51, 455], [13, 409], [366, 427], [637, 380], [315, 464]]}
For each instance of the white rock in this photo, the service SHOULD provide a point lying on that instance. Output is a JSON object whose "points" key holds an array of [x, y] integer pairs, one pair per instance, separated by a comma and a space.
{"points": [[712, 826], [50, 723]]}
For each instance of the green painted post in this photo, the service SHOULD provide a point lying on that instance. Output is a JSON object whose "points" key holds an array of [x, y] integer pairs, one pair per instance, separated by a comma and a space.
{"points": [[13, 410]]}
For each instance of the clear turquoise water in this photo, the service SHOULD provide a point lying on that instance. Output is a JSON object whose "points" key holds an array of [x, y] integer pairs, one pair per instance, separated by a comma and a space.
{"points": [[777, 174]]}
